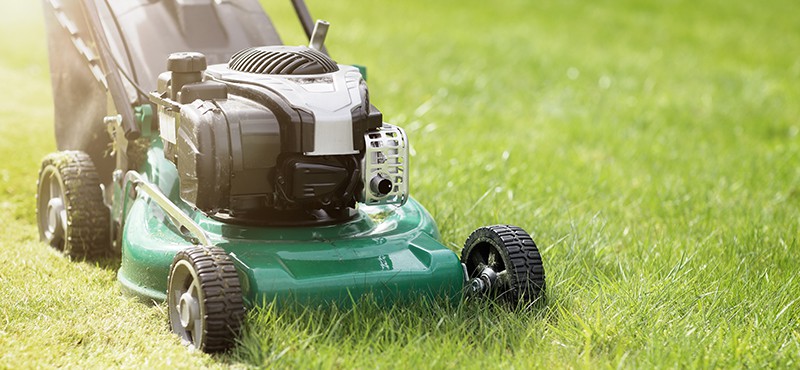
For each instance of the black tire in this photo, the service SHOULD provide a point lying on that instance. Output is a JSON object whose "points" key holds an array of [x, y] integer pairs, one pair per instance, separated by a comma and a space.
{"points": [[70, 211], [512, 254], [204, 298]]}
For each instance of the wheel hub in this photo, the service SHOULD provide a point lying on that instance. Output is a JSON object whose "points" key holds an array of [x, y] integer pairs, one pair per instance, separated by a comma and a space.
{"points": [[55, 220], [484, 282], [189, 310]]}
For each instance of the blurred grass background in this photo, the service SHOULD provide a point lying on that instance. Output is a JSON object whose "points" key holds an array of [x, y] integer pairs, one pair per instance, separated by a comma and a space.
{"points": [[651, 149]]}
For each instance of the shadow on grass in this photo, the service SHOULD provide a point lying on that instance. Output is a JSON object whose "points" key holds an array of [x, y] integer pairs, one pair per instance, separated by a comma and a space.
{"points": [[108, 263]]}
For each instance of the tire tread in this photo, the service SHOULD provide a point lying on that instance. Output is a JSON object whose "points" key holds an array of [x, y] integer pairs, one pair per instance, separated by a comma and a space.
{"points": [[522, 259], [222, 296], [87, 234]]}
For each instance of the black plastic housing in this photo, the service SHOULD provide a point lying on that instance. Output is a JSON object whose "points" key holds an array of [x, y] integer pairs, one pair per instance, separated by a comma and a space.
{"points": [[226, 153], [239, 149]]}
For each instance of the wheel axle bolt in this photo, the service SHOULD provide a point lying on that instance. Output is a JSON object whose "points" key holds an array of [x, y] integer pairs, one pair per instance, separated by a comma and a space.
{"points": [[477, 286]]}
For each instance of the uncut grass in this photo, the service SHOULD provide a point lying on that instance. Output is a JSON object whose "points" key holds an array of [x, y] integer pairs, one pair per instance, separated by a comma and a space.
{"points": [[650, 148], [414, 335]]}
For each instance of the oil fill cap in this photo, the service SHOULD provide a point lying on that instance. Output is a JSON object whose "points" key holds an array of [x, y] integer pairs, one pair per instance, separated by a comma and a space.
{"points": [[186, 62]]}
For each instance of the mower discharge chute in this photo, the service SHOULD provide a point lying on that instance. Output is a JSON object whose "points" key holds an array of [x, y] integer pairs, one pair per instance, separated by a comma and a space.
{"points": [[246, 172]]}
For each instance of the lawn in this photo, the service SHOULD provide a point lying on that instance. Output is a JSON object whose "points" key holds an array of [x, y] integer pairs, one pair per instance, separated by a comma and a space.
{"points": [[651, 148]]}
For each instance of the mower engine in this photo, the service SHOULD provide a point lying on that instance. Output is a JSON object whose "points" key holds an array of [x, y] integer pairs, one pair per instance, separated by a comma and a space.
{"points": [[277, 129]]}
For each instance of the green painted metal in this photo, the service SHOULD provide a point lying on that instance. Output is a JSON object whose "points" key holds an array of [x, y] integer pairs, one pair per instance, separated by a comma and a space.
{"points": [[391, 253], [144, 120]]}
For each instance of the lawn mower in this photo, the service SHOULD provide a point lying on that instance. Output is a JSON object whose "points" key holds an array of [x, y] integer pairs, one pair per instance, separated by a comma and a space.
{"points": [[227, 170]]}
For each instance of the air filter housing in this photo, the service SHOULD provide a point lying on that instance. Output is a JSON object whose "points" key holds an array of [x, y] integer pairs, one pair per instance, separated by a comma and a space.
{"points": [[282, 60]]}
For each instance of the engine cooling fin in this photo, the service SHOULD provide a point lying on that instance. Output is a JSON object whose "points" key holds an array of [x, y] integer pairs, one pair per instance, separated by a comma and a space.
{"points": [[282, 60]]}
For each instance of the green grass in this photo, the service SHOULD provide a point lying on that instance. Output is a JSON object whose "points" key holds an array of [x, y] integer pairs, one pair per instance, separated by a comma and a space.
{"points": [[651, 148]]}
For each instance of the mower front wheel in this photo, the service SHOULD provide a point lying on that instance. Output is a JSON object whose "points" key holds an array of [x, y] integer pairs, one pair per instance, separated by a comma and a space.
{"points": [[204, 299], [503, 262]]}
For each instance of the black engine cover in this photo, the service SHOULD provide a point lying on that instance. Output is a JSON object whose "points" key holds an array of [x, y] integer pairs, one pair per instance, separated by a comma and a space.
{"points": [[244, 136], [317, 182]]}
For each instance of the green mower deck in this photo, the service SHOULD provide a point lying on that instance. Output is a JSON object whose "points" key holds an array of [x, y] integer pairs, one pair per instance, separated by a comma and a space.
{"points": [[392, 253]]}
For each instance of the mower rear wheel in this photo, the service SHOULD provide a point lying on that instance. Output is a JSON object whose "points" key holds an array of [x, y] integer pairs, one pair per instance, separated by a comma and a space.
{"points": [[204, 299], [503, 262], [70, 211]]}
